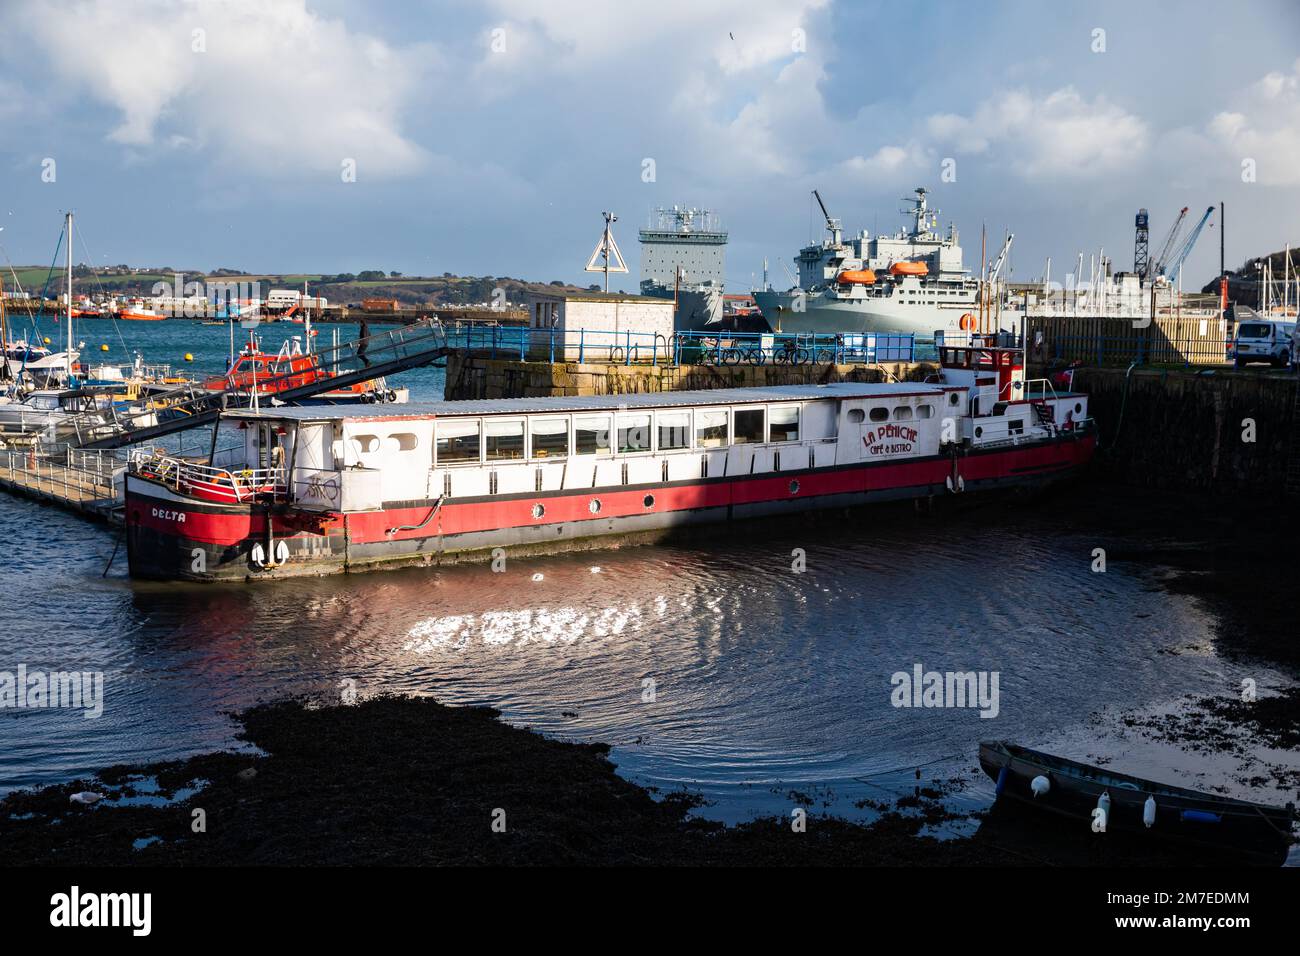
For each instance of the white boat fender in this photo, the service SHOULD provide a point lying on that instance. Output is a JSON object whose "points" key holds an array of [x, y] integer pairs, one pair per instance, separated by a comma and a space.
{"points": [[1040, 785], [257, 556], [281, 552], [1149, 812]]}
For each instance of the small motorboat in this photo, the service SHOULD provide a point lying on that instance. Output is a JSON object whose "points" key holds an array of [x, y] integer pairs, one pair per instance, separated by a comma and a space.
{"points": [[1163, 810]]}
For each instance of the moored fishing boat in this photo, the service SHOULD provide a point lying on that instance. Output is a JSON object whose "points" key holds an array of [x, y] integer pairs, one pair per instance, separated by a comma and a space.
{"points": [[1073, 789], [318, 490]]}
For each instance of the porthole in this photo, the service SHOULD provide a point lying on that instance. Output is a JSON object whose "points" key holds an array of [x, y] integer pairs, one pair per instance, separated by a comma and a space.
{"points": [[594, 506], [954, 398], [794, 486], [979, 432], [539, 510], [856, 415], [648, 501], [1078, 408]]}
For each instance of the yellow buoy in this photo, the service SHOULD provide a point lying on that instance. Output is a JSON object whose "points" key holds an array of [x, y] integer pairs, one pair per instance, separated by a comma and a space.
{"points": [[189, 357], [47, 340], [103, 348]]}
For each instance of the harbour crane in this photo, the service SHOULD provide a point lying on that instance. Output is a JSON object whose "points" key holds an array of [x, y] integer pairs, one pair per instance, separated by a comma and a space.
{"points": [[1169, 244], [1141, 234], [1185, 248]]}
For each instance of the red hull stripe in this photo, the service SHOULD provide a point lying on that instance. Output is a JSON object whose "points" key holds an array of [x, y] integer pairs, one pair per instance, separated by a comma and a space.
{"points": [[218, 525]]}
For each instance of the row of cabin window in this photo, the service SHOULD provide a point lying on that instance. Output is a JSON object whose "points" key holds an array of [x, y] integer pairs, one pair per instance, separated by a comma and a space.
{"points": [[902, 413], [632, 433]]}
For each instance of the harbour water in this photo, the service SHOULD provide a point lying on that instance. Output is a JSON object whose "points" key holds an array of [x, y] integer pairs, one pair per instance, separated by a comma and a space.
{"points": [[714, 667]]}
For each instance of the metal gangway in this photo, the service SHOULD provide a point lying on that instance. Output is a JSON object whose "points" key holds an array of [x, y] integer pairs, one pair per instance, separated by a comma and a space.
{"points": [[191, 405]]}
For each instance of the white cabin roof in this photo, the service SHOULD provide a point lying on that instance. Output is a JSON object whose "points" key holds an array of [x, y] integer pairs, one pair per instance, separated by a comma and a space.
{"points": [[591, 403]]}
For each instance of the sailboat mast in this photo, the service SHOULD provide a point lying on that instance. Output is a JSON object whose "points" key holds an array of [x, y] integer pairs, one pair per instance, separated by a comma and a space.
{"points": [[306, 319], [68, 232]]}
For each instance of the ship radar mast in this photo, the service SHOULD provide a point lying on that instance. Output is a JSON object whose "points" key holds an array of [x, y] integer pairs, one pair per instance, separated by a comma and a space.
{"points": [[925, 218]]}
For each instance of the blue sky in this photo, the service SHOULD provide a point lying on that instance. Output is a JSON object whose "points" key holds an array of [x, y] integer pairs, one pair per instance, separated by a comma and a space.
{"points": [[488, 136]]}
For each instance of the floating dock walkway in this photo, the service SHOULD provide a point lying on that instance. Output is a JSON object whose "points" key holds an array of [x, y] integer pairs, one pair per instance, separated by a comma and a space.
{"points": [[79, 480]]}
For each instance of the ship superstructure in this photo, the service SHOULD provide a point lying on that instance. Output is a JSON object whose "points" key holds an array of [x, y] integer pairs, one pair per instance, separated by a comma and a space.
{"points": [[912, 281], [683, 257]]}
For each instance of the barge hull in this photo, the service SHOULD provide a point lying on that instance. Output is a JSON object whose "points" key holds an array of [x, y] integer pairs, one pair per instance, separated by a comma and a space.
{"points": [[170, 536]]}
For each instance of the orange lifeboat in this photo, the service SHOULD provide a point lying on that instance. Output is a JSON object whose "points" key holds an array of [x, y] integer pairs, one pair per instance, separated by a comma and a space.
{"points": [[909, 268], [856, 276]]}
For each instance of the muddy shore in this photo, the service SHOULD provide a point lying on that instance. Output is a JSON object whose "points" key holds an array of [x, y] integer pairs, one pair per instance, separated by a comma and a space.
{"points": [[400, 780], [404, 780]]}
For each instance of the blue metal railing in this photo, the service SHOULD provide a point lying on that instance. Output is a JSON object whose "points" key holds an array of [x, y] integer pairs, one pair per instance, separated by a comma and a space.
{"points": [[687, 348]]}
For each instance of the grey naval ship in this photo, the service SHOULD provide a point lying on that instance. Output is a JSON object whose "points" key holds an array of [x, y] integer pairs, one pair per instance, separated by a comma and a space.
{"points": [[912, 281], [682, 258]]}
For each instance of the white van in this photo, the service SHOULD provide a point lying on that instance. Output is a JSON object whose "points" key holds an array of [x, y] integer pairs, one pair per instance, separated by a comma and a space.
{"points": [[1263, 340]]}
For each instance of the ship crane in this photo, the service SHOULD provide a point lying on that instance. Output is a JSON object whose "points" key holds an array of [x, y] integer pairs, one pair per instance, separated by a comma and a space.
{"points": [[832, 224], [1185, 248], [1169, 244]]}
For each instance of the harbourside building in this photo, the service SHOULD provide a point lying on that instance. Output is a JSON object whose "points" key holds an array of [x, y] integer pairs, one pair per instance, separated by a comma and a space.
{"points": [[594, 324]]}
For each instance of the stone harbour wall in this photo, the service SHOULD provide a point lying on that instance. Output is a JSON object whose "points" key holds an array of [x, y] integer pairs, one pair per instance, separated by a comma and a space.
{"points": [[1220, 431], [470, 376]]}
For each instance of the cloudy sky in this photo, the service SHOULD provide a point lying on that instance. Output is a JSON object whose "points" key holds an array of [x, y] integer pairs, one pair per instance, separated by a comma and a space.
{"points": [[488, 135]]}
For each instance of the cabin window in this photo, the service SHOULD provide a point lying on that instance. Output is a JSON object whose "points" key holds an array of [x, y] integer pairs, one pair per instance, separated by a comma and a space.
{"points": [[366, 444], [634, 433], [924, 411], [856, 415], [711, 428], [674, 430], [880, 414], [503, 439], [550, 437], [591, 435], [402, 441], [903, 413], [783, 423], [457, 441], [1016, 426], [748, 426]]}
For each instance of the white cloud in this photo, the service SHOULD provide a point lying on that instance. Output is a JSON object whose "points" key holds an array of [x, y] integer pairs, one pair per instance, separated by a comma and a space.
{"points": [[1061, 134], [888, 164], [1265, 127], [277, 89], [728, 35]]}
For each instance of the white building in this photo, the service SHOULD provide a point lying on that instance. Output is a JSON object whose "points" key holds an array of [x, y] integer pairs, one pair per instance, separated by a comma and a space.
{"points": [[600, 326]]}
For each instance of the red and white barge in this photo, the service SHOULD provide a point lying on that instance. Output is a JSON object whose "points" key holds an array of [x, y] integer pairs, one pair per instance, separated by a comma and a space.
{"points": [[314, 490]]}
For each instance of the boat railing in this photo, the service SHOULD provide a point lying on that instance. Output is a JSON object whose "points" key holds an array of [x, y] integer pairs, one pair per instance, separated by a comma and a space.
{"points": [[185, 476], [1023, 391]]}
